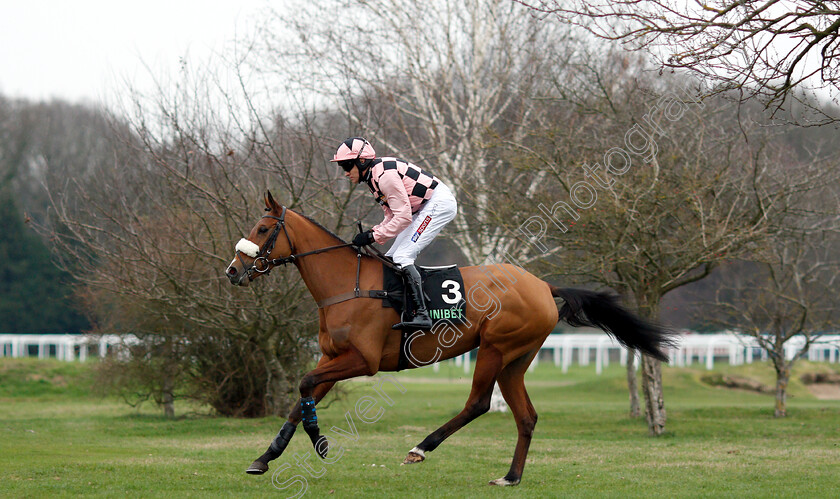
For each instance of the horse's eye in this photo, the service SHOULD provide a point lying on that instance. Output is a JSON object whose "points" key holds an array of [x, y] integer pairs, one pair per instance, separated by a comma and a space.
{"points": [[262, 230]]}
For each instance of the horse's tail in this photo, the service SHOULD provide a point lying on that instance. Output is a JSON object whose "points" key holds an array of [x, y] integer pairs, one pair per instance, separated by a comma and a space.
{"points": [[602, 310]]}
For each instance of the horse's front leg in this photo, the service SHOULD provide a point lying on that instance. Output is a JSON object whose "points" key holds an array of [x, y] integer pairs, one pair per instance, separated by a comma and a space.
{"points": [[347, 365], [284, 436], [314, 386]]}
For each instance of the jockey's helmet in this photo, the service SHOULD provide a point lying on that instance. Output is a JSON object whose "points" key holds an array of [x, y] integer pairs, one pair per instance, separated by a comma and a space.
{"points": [[351, 150]]}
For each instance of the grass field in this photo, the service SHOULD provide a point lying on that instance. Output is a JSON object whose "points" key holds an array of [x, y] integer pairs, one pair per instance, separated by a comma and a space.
{"points": [[58, 440]]}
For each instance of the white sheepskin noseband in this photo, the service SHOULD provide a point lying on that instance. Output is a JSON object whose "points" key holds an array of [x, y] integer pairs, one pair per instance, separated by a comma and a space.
{"points": [[247, 247]]}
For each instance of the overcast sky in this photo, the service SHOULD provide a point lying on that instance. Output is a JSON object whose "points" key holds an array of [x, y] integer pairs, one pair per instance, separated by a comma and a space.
{"points": [[82, 50]]}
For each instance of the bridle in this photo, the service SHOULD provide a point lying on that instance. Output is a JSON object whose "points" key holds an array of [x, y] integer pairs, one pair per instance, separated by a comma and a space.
{"points": [[262, 264]]}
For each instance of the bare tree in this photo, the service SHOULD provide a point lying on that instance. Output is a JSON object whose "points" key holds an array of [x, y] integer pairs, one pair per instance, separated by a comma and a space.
{"points": [[151, 231], [774, 51], [790, 294], [651, 191], [633, 385], [432, 82]]}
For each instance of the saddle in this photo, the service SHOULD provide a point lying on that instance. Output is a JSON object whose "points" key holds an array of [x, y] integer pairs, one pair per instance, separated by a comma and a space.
{"points": [[442, 286]]}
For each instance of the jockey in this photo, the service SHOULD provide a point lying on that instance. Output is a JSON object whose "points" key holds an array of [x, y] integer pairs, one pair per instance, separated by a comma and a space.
{"points": [[417, 206]]}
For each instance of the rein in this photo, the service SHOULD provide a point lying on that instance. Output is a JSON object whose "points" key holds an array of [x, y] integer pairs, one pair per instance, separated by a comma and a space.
{"points": [[263, 265]]}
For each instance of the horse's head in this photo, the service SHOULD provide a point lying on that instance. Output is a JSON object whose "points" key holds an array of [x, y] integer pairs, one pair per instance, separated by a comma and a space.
{"points": [[267, 245]]}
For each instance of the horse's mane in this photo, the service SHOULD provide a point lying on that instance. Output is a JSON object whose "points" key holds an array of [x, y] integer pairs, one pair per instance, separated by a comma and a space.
{"points": [[332, 234], [328, 231]]}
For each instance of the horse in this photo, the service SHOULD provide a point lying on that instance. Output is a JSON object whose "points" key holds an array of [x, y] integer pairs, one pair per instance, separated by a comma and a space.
{"points": [[356, 339]]}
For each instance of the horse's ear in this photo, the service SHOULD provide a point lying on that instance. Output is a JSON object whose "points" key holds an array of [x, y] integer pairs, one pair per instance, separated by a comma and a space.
{"points": [[270, 203]]}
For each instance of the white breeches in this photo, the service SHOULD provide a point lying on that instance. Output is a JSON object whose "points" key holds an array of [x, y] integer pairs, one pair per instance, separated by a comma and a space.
{"points": [[427, 223]]}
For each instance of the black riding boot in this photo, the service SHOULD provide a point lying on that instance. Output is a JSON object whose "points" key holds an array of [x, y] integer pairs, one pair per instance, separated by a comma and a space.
{"points": [[414, 291]]}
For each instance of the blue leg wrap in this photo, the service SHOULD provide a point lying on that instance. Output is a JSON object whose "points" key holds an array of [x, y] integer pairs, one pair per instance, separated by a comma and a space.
{"points": [[307, 414], [310, 425]]}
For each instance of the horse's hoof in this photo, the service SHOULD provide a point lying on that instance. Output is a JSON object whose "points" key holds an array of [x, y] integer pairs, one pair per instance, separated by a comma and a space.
{"points": [[257, 468], [415, 455], [503, 482], [322, 446]]}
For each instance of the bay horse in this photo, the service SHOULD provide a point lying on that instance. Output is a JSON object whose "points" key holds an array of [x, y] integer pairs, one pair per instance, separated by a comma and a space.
{"points": [[356, 339]]}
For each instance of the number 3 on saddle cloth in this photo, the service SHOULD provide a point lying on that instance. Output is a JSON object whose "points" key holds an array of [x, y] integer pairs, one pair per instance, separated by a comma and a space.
{"points": [[445, 297]]}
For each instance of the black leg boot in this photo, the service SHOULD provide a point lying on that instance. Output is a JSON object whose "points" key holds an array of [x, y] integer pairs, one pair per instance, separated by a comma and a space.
{"points": [[414, 291], [278, 445]]}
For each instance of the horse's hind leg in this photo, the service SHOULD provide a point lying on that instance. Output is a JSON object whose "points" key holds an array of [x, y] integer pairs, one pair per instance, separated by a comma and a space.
{"points": [[487, 366], [512, 385]]}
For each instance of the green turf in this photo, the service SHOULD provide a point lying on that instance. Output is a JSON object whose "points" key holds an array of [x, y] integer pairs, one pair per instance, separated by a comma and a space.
{"points": [[58, 440]]}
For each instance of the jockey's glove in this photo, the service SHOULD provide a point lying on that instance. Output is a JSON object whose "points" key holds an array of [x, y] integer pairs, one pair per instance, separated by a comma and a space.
{"points": [[363, 238]]}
